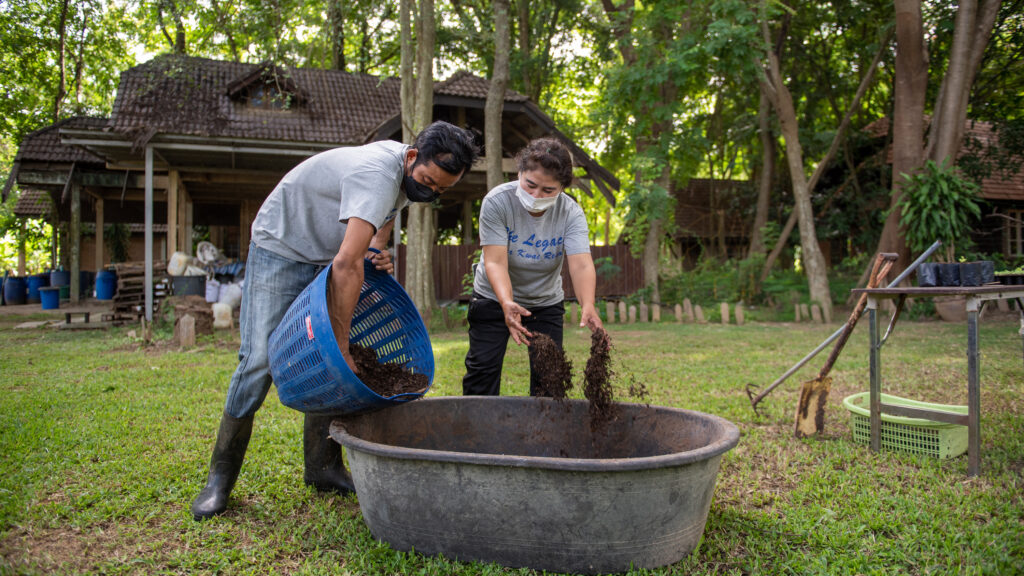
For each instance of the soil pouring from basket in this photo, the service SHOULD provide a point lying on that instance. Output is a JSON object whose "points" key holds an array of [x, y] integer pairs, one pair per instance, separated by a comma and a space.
{"points": [[385, 379]]}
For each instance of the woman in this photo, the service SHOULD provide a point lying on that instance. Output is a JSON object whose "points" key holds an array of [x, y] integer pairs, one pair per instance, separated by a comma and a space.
{"points": [[528, 228]]}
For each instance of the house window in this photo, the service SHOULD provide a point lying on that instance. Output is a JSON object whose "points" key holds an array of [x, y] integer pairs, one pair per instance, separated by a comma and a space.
{"points": [[268, 97], [1015, 233]]}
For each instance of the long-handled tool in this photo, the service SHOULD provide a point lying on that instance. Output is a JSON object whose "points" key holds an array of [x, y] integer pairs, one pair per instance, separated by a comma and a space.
{"points": [[755, 400], [814, 393]]}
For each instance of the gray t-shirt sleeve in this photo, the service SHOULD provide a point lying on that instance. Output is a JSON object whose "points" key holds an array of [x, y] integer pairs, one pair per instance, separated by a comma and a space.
{"points": [[367, 195], [493, 227], [577, 233]]}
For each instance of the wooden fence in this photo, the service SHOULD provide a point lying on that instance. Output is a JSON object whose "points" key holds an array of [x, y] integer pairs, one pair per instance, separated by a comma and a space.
{"points": [[453, 263]]}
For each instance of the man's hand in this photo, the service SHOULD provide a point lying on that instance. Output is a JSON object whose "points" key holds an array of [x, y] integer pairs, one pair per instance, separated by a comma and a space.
{"points": [[513, 319], [382, 260]]}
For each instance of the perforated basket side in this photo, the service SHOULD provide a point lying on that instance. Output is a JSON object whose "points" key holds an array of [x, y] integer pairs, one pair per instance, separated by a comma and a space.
{"points": [[937, 440]]}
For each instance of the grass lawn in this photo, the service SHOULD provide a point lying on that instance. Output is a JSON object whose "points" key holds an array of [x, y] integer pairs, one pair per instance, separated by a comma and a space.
{"points": [[105, 442]]}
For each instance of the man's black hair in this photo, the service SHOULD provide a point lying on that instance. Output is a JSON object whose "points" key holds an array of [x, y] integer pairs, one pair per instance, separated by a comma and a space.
{"points": [[453, 149]]}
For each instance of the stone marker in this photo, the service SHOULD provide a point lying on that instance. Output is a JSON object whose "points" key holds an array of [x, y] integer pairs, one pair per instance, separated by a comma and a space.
{"points": [[679, 313], [622, 312], [643, 312], [739, 314], [656, 313], [574, 314], [826, 313], [816, 314], [688, 309], [724, 308], [805, 312], [796, 313], [632, 314], [609, 310], [185, 331], [699, 314]]}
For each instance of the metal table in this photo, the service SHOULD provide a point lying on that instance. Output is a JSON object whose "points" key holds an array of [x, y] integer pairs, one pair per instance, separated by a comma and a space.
{"points": [[974, 301]]}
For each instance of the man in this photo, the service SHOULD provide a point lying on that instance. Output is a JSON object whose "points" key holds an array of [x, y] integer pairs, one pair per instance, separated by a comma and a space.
{"points": [[330, 209]]}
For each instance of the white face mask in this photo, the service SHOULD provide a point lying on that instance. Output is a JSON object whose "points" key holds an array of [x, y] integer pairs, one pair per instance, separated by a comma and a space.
{"points": [[535, 204]]}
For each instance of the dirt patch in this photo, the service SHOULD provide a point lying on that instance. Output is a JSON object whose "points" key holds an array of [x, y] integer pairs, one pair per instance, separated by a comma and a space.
{"points": [[383, 378], [553, 367]]}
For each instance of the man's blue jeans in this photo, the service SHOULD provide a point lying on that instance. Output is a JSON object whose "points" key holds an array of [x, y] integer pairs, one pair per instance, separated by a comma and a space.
{"points": [[272, 283]]}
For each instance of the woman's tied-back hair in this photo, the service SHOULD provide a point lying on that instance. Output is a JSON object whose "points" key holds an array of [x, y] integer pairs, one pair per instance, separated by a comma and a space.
{"points": [[450, 147], [549, 155]]}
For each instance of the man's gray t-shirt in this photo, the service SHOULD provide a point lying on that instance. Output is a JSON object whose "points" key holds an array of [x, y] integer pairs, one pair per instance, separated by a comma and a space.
{"points": [[303, 218], [537, 246]]}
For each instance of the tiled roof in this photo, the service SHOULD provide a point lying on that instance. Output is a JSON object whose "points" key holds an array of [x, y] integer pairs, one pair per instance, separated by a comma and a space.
{"points": [[188, 95], [33, 203], [998, 186], [468, 85], [44, 145]]}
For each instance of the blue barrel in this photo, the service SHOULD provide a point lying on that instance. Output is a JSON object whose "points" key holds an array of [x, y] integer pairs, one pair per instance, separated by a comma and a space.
{"points": [[50, 297], [60, 278], [34, 283], [106, 284], [15, 290]]}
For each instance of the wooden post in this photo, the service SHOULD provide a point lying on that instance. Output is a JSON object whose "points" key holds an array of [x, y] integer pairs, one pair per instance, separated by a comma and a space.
{"points": [[643, 312], [796, 312], [76, 240], [816, 314], [99, 256], [632, 314], [679, 313], [688, 309], [739, 314], [698, 312], [609, 310], [656, 313], [724, 308], [172, 212], [467, 222], [622, 312], [805, 312], [185, 331]]}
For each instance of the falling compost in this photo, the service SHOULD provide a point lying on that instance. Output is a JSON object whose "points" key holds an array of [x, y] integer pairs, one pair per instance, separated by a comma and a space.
{"points": [[384, 378]]}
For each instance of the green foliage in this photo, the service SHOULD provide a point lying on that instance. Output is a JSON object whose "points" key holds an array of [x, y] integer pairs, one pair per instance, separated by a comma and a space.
{"points": [[468, 277], [714, 280], [606, 269], [17, 232], [117, 237], [938, 204]]}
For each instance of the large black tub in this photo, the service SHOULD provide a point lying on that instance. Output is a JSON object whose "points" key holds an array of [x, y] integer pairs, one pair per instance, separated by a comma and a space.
{"points": [[525, 482]]}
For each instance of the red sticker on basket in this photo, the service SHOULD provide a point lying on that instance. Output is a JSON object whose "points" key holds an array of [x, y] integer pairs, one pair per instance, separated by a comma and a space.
{"points": [[309, 327]]}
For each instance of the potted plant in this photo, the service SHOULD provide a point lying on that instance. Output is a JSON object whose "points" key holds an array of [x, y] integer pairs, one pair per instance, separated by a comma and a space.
{"points": [[939, 204]]}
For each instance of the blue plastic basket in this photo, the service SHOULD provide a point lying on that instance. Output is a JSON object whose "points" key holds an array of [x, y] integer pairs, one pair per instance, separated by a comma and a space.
{"points": [[308, 369]]}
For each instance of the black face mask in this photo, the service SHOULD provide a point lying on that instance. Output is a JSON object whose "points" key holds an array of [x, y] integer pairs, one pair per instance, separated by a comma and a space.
{"points": [[417, 192]]}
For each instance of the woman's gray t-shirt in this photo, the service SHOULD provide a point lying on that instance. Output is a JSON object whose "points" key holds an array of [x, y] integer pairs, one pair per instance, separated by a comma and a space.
{"points": [[537, 246], [303, 219]]}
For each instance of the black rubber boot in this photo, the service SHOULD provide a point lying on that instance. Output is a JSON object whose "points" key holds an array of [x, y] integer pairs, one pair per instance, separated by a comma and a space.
{"points": [[228, 453], [325, 469]]}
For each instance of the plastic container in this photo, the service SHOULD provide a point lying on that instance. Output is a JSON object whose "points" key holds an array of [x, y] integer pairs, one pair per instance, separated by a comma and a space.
{"points": [[222, 317], [177, 264], [60, 278], [15, 290], [188, 285], [213, 291], [913, 435], [106, 285], [230, 294], [34, 283], [50, 297], [311, 374]]}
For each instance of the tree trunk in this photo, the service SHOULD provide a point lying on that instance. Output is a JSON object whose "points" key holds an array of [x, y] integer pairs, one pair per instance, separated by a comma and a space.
{"points": [[496, 95], [61, 74], [812, 258], [764, 186], [524, 44], [336, 39], [422, 231]]}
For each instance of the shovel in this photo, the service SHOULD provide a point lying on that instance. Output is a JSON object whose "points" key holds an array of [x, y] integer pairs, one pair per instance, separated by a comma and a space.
{"points": [[810, 411]]}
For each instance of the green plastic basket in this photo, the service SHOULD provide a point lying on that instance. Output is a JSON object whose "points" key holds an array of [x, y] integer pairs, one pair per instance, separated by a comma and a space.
{"points": [[913, 435]]}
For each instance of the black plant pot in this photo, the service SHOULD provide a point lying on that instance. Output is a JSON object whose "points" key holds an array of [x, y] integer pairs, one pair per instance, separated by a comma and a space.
{"points": [[988, 271], [949, 274], [970, 274], [928, 275]]}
